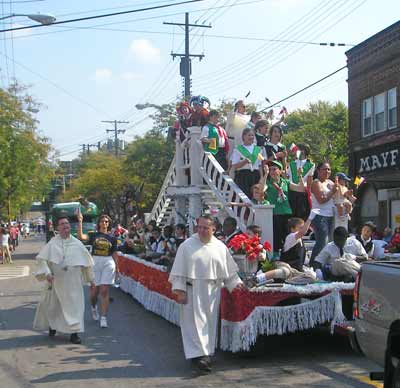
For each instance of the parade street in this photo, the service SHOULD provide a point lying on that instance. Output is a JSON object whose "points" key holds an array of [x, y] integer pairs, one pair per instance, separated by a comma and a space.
{"points": [[140, 349]]}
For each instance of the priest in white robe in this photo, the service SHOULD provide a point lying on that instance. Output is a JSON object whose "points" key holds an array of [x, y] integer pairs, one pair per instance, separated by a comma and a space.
{"points": [[64, 264], [202, 266]]}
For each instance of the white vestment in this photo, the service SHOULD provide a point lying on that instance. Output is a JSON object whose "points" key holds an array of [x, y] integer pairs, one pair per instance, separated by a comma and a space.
{"points": [[201, 269], [62, 304]]}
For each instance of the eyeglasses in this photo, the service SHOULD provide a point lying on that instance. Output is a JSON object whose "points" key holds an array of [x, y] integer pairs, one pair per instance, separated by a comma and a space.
{"points": [[106, 221]]}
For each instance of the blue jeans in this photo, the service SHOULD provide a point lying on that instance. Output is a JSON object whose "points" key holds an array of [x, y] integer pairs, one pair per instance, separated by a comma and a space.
{"points": [[322, 227]]}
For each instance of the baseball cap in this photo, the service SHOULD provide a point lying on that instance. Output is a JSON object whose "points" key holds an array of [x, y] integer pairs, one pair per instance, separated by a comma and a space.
{"points": [[275, 163], [342, 175]]}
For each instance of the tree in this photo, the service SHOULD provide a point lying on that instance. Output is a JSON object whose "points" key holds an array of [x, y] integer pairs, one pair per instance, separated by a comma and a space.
{"points": [[25, 171], [324, 126], [148, 159], [102, 180]]}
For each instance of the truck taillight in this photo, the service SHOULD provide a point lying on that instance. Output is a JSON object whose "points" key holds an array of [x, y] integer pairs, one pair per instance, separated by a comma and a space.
{"points": [[355, 296]]}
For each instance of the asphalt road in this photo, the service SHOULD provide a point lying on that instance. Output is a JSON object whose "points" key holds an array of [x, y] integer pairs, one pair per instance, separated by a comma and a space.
{"points": [[140, 349]]}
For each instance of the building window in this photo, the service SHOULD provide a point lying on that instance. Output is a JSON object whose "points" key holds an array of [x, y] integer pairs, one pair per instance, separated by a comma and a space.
{"points": [[379, 112], [367, 117], [392, 108]]}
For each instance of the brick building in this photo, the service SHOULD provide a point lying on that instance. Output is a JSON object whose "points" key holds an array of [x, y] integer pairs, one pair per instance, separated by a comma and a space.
{"points": [[374, 129]]}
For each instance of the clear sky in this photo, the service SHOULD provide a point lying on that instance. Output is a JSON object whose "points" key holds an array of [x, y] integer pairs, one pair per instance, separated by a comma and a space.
{"points": [[97, 70]]}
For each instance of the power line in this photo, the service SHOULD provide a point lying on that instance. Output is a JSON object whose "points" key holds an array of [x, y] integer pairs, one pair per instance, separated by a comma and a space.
{"points": [[112, 8], [303, 89], [316, 16], [68, 29], [116, 132], [283, 56], [104, 16], [57, 86]]}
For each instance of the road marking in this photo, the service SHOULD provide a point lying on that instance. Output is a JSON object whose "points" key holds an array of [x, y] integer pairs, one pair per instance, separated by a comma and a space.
{"points": [[13, 271], [367, 380]]}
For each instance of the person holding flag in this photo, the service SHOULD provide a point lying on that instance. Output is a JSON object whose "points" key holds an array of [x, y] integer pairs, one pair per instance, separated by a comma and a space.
{"points": [[246, 161], [215, 139], [277, 191], [301, 202]]}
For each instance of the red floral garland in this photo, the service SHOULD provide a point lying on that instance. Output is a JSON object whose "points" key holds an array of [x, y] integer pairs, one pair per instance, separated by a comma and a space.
{"points": [[151, 278]]}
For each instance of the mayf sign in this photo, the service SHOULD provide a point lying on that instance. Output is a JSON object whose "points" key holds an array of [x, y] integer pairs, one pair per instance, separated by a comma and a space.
{"points": [[377, 159]]}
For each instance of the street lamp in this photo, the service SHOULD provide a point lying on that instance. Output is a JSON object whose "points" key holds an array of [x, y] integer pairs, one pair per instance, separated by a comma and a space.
{"points": [[41, 18]]}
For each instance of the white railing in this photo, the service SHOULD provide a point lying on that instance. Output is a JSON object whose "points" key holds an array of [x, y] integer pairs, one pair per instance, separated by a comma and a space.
{"points": [[163, 202], [227, 191], [190, 156]]}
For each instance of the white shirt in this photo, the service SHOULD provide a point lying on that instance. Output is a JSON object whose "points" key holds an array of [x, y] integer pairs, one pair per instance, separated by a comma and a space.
{"points": [[237, 157], [291, 241], [4, 239], [326, 208], [204, 134], [352, 248]]}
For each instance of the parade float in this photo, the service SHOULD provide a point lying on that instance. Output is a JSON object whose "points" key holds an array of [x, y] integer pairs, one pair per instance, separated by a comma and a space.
{"points": [[195, 181]]}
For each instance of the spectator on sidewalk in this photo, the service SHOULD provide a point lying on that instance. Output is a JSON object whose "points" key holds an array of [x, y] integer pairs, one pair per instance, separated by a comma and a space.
{"points": [[5, 246]]}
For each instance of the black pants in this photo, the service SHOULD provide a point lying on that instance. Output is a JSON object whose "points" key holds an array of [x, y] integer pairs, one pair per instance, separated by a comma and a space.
{"points": [[221, 158], [280, 225], [247, 178]]}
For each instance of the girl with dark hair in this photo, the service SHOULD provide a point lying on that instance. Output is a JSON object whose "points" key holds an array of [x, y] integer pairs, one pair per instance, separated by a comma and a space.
{"points": [[274, 149], [261, 130], [104, 252], [301, 202], [246, 160], [322, 192]]}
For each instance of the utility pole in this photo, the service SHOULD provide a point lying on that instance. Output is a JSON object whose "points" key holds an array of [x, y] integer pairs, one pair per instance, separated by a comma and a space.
{"points": [[116, 132], [186, 63]]}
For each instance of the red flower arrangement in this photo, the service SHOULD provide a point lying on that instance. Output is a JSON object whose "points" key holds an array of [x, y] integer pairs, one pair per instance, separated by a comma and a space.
{"points": [[394, 245], [248, 245]]}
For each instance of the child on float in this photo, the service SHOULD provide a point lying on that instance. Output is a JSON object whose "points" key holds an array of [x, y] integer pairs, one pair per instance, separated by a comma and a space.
{"points": [[261, 132], [215, 139], [291, 262], [343, 200], [274, 149], [277, 191], [300, 202], [246, 161]]}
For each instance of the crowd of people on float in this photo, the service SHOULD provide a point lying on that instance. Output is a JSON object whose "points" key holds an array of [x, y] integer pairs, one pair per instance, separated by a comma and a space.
{"points": [[303, 192]]}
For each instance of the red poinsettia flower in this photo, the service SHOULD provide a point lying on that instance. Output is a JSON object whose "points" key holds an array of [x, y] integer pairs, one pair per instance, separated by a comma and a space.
{"points": [[267, 246]]}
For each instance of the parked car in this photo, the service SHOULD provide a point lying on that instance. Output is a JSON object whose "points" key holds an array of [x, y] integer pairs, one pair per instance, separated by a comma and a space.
{"points": [[377, 318]]}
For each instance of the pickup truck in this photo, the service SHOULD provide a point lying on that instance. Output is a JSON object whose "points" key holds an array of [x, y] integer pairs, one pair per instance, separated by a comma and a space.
{"points": [[377, 318]]}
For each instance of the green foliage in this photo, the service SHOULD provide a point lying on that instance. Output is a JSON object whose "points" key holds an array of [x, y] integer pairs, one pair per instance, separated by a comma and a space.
{"points": [[101, 180], [323, 126], [25, 171], [147, 160]]}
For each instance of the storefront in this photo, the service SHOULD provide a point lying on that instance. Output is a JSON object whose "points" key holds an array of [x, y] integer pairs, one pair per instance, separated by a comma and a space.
{"points": [[379, 196]]}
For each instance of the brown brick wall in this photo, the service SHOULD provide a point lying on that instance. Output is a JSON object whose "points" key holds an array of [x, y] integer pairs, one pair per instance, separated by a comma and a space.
{"points": [[374, 67]]}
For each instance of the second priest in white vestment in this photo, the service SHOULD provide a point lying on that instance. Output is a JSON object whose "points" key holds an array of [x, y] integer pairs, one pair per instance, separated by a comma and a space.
{"points": [[203, 265]]}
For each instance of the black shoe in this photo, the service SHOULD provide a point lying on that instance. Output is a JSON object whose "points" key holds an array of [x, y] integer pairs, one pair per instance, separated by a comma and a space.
{"points": [[75, 339], [52, 332], [203, 364]]}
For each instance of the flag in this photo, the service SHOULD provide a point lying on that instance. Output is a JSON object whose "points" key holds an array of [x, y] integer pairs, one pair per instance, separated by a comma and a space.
{"points": [[293, 148], [358, 181], [283, 111]]}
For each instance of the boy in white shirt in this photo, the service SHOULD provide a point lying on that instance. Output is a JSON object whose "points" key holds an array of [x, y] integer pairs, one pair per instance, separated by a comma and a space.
{"points": [[293, 255]]}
